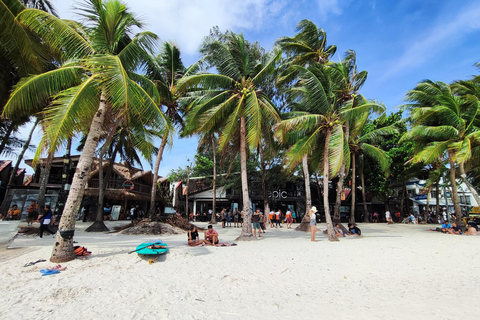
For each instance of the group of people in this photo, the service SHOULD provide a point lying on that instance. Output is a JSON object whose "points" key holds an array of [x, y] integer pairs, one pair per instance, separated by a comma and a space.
{"points": [[46, 220], [452, 228], [276, 217], [210, 237]]}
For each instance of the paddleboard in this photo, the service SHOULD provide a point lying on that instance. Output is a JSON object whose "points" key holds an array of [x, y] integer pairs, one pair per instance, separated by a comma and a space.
{"points": [[144, 250]]}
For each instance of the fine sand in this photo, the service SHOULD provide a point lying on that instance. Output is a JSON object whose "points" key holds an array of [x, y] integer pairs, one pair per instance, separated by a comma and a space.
{"points": [[392, 272]]}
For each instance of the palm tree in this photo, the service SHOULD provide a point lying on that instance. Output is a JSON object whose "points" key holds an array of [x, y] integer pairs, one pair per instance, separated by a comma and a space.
{"points": [[363, 146], [98, 78], [319, 121], [443, 124], [308, 46], [231, 102], [165, 70], [347, 81]]}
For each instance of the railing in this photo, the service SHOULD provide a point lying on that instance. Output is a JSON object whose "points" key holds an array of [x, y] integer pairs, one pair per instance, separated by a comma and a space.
{"points": [[118, 184]]}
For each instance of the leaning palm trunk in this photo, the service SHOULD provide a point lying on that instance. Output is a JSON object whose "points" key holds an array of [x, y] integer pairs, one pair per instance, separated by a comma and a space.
{"points": [[214, 200], [10, 128], [456, 202], [153, 194], [305, 224], [354, 187], [469, 185], [341, 179], [63, 249], [326, 205], [246, 233], [45, 172], [22, 153]]}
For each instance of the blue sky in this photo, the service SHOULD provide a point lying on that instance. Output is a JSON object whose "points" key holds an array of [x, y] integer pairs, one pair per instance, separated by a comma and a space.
{"points": [[399, 42]]}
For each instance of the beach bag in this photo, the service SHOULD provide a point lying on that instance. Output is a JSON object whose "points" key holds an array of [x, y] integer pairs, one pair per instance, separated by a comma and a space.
{"points": [[81, 251]]}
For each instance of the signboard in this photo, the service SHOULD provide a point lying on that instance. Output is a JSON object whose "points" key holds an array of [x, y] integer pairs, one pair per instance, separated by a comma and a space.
{"points": [[128, 185], [475, 210], [420, 197], [116, 212]]}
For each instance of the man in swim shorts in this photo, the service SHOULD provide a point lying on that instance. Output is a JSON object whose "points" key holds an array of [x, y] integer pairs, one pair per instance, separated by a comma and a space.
{"points": [[256, 223]]}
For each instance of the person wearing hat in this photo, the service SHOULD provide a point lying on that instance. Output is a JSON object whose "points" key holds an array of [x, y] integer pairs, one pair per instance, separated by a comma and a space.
{"points": [[313, 223]]}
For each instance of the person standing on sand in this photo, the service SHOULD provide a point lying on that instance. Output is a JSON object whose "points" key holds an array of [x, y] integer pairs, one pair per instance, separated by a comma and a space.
{"points": [[46, 220], [289, 219], [32, 213], [272, 219], [278, 217], [388, 216], [313, 223], [256, 224]]}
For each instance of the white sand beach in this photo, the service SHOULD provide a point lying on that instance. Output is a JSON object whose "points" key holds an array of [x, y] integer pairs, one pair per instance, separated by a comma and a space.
{"points": [[392, 272]]}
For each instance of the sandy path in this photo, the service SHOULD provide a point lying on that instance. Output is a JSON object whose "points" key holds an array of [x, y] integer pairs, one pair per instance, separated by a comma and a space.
{"points": [[393, 272]]}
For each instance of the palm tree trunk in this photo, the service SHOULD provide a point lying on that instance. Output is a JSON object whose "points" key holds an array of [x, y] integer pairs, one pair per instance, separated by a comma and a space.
{"points": [[338, 199], [437, 198], [246, 233], [456, 202], [213, 220], [305, 224], [99, 225], [352, 207], [469, 185], [10, 128], [63, 247], [155, 176], [364, 198], [326, 204], [45, 172], [266, 207], [341, 179], [427, 209], [22, 153], [402, 200]]}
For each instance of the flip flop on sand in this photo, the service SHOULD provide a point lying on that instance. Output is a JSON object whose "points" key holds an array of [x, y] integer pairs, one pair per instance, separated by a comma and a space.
{"points": [[47, 272], [59, 268]]}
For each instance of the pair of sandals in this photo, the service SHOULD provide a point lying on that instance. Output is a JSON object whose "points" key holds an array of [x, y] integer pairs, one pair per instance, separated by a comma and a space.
{"points": [[54, 270]]}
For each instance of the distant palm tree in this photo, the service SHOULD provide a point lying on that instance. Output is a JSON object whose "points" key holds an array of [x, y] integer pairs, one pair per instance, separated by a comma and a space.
{"points": [[98, 79], [443, 125], [232, 103]]}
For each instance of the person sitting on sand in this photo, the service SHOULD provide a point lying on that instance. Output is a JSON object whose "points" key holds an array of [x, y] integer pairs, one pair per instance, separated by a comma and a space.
{"points": [[13, 213], [338, 231], [353, 230], [446, 226], [471, 231], [211, 235], [194, 239], [454, 229]]}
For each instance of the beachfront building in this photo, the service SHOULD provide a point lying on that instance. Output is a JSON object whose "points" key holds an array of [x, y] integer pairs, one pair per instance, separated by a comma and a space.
{"points": [[127, 187], [20, 179], [418, 197]]}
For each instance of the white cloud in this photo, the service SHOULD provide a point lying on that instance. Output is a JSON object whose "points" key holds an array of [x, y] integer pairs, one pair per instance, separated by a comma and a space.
{"points": [[440, 37]]}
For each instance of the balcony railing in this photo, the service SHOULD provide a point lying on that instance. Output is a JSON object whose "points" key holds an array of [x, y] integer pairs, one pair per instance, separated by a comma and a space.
{"points": [[117, 184]]}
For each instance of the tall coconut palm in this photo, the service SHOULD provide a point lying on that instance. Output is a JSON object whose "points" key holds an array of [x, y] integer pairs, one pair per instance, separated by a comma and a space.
{"points": [[308, 46], [347, 81], [232, 102], [99, 77], [443, 124], [363, 144], [165, 70], [319, 120]]}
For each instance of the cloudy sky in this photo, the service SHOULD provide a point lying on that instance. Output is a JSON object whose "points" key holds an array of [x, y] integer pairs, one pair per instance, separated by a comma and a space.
{"points": [[398, 42]]}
